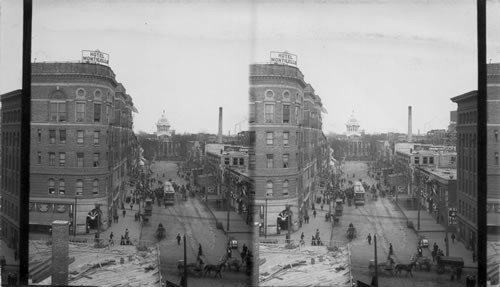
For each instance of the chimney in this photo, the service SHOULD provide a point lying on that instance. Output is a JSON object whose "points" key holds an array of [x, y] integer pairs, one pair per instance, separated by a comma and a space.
{"points": [[409, 125], [60, 252], [219, 137]]}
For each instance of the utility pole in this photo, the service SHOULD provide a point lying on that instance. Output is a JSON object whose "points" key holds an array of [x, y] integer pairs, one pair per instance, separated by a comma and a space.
{"points": [[228, 198], [447, 226], [185, 263], [265, 221], [419, 190], [376, 264]]}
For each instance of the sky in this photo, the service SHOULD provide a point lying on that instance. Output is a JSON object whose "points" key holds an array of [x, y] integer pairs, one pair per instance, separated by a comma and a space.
{"points": [[373, 58]]}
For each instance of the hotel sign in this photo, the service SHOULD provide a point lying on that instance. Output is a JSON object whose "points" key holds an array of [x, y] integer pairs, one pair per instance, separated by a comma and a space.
{"points": [[283, 58], [95, 57]]}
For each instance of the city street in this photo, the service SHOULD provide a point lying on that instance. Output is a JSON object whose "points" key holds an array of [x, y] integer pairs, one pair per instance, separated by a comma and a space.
{"points": [[193, 219]]}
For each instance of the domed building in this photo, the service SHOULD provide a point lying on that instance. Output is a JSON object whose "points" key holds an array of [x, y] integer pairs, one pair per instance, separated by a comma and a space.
{"points": [[357, 147], [167, 147]]}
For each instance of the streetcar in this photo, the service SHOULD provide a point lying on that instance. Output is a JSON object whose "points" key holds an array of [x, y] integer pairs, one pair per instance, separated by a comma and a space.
{"points": [[359, 193], [168, 193]]}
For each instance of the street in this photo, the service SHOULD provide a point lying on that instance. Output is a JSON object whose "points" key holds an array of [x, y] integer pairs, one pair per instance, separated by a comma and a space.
{"points": [[193, 219]]}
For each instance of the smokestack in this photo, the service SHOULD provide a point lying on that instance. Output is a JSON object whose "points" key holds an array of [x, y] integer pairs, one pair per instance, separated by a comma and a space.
{"points": [[60, 252], [219, 138], [409, 125]]}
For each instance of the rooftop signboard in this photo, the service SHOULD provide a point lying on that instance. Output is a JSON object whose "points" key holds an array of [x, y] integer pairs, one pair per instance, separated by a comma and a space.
{"points": [[283, 58], [95, 57]]}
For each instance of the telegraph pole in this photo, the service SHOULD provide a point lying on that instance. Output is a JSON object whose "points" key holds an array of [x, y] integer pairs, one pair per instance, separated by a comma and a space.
{"points": [[419, 191], [265, 221], [185, 264], [376, 266], [228, 198]]}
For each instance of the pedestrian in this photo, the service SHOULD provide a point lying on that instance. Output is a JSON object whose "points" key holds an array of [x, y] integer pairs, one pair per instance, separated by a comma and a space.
{"points": [[391, 251], [229, 252], [178, 239], [131, 205], [124, 212], [419, 250], [111, 242], [245, 249], [453, 238], [445, 240], [122, 241], [200, 251], [302, 236], [314, 213], [369, 237], [126, 233], [322, 206], [313, 241]]}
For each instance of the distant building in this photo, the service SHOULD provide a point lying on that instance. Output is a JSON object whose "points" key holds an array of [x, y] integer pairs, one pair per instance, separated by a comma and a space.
{"points": [[357, 145], [467, 168], [436, 137], [167, 146], [10, 168], [82, 145]]}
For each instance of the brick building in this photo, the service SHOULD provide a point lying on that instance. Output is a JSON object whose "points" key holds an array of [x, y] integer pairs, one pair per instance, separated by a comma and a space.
{"points": [[82, 146], [288, 146], [493, 149], [10, 167], [467, 167]]}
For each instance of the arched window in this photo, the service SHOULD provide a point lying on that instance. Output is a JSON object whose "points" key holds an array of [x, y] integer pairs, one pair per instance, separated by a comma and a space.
{"points": [[79, 187], [269, 188], [62, 189], [95, 187], [52, 186], [285, 187]]}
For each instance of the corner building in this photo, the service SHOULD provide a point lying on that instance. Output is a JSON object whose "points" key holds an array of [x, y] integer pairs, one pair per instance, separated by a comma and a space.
{"points": [[81, 145], [288, 145]]}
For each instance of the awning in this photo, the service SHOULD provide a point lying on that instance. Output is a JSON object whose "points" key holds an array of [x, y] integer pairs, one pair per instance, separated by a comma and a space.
{"points": [[46, 218], [206, 180]]}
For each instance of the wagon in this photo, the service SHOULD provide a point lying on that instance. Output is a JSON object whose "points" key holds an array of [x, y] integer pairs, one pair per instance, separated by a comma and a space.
{"points": [[338, 207], [351, 233], [453, 262]]}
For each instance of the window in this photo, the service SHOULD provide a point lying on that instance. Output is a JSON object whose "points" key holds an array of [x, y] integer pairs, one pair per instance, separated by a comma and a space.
{"points": [[96, 159], [39, 131], [270, 161], [62, 159], [62, 189], [97, 112], [269, 188], [235, 161], [242, 161], [285, 160], [97, 135], [417, 160], [52, 159], [431, 160], [39, 157], [269, 138], [62, 136], [286, 136], [79, 187], [286, 114], [425, 160], [80, 112], [57, 112], [52, 187], [252, 138], [79, 159], [79, 136], [269, 113], [226, 161], [52, 136], [285, 187], [95, 187], [251, 112]]}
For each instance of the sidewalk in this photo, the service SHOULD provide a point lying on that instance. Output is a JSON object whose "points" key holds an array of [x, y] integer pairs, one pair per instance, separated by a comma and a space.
{"points": [[435, 232], [236, 222]]}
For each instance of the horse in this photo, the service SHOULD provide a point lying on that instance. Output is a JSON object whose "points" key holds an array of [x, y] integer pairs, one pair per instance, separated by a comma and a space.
{"points": [[217, 268], [407, 267]]}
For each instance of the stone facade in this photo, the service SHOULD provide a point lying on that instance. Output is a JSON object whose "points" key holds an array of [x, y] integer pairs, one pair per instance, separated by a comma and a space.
{"points": [[82, 146], [288, 145]]}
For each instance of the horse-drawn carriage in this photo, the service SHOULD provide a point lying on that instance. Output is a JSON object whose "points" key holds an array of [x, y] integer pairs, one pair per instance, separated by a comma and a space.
{"points": [[453, 262], [351, 232]]}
